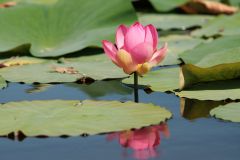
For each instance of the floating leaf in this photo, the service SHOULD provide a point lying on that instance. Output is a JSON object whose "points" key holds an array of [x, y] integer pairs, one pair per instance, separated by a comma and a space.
{"points": [[221, 51], [3, 83], [176, 45], [162, 80], [59, 117], [173, 21], [45, 72], [163, 5], [218, 60], [229, 112], [217, 90], [223, 25], [61, 27]]}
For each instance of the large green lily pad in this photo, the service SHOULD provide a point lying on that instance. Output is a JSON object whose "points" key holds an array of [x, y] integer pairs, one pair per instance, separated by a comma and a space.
{"points": [[173, 21], [223, 25], [217, 90], [166, 79], [176, 45], [217, 60], [229, 112], [163, 5], [61, 27], [73, 117], [3, 83], [221, 51], [51, 71]]}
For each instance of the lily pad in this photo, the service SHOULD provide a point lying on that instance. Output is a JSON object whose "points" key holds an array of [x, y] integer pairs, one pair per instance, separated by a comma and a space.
{"points": [[173, 21], [229, 112], [51, 71], [3, 83], [217, 90], [61, 27], [223, 25], [59, 117], [161, 5], [162, 80], [217, 60], [221, 51], [177, 44]]}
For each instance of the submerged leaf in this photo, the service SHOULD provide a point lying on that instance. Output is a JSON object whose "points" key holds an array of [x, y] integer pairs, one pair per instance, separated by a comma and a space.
{"points": [[73, 117]]}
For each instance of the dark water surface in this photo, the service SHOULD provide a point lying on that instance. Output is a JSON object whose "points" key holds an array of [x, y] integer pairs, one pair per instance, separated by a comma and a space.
{"points": [[191, 134]]}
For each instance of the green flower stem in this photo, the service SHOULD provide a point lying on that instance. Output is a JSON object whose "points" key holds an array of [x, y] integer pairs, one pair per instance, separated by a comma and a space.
{"points": [[136, 98]]}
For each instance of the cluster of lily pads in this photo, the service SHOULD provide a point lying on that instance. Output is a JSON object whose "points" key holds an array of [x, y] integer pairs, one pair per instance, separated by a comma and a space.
{"points": [[44, 41]]}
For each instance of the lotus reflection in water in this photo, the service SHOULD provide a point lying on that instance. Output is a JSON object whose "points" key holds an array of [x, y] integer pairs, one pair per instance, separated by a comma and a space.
{"points": [[143, 141]]}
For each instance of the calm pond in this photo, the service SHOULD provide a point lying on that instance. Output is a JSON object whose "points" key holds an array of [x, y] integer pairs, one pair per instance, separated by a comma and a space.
{"points": [[190, 134]]}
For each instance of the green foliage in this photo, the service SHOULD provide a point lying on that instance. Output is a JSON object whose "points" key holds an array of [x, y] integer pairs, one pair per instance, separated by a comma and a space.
{"points": [[61, 27], [222, 25], [173, 21], [229, 112], [59, 117]]}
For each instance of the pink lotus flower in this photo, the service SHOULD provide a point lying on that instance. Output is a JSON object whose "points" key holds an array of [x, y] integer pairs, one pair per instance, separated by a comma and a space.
{"points": [[136, 48]]}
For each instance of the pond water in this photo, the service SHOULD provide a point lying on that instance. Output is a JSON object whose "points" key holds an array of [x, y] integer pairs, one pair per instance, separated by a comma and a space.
{"points": [[190, 134]]}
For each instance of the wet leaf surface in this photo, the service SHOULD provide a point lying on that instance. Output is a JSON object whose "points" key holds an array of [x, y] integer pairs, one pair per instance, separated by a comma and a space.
{"points": [[73, 118], [229, 112]]}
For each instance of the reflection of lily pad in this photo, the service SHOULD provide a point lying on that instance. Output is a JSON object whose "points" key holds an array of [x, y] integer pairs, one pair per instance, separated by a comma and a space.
{"points": [[173, 21], [176, 45], [193, 109], [59, 117], [36, 88], [62, 26], [223, 25], [165, 79], [217, 90], [229, 112], [101, 88], [3, 83]]}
